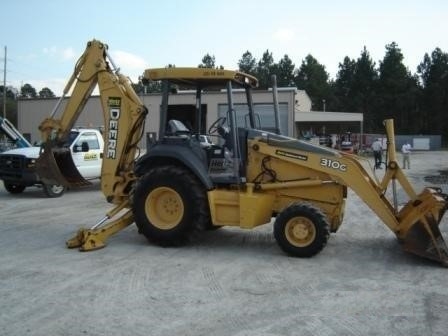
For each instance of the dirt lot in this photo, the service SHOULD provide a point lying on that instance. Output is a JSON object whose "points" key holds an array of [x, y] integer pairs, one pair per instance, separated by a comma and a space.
{"points": [[230, 282]]}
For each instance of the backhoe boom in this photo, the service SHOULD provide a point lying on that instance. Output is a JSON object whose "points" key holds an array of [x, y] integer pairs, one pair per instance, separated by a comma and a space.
{"points": [[124, 117]]}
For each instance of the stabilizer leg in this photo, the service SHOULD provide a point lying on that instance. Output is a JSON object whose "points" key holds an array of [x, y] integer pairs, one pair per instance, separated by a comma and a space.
{"points": [[95, 238]]}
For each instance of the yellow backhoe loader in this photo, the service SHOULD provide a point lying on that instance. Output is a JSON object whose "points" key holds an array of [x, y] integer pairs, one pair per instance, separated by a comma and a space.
{"points": [[249, 177]]}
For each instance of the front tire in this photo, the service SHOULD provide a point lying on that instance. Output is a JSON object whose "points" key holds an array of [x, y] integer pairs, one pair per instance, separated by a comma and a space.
{"points": [[301, 230], [169, 204], [14, 188], [53, 190]]}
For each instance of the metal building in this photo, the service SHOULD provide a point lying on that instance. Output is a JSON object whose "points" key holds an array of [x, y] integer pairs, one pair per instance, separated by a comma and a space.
{"points": [[294, 111], [31, 112]]}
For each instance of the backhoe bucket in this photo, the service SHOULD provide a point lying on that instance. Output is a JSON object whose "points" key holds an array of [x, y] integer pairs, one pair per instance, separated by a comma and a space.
{"points": [[55, 166], [423, 237]]}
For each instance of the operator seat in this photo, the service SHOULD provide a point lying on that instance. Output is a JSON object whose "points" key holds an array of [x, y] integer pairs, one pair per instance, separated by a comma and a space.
{"points": [[177, 127]]}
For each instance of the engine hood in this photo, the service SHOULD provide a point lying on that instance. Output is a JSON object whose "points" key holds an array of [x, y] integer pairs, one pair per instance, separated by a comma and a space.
{"points": [[29, 152]]}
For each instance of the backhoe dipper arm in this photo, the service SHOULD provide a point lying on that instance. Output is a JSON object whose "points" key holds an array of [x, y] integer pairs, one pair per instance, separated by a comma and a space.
{"points": [[124, 117]]}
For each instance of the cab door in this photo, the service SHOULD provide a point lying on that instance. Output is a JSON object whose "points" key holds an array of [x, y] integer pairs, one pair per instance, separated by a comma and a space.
{"points": [[88, 162]]}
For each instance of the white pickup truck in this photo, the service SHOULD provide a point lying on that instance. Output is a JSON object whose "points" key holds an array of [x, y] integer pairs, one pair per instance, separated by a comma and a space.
{"points": [[17, 166]]}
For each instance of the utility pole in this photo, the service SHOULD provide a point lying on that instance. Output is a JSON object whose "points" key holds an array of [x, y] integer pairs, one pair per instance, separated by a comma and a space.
{"points": [[4, 88]]}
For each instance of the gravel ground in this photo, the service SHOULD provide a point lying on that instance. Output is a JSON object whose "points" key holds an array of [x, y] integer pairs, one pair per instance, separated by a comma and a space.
{"points": [[230, 282]]}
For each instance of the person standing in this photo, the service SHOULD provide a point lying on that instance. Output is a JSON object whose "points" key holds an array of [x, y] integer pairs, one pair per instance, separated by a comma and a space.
{"points": [[377, 149], [406, 151]]}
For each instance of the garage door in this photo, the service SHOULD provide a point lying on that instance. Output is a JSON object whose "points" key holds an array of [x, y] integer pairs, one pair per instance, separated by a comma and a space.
{"points": [[420, 143]]}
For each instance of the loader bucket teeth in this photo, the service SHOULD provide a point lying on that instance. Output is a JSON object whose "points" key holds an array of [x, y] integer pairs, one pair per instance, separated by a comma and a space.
{"points": [[55, 166], [426, 240]]}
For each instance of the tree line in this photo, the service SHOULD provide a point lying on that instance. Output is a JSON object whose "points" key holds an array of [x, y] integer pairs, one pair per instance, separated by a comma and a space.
{"points": [[418, 102]]}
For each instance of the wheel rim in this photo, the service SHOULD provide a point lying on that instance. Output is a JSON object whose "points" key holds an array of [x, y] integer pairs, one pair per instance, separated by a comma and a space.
{"points": [[300, 231], [164, 208], [57, 189]]}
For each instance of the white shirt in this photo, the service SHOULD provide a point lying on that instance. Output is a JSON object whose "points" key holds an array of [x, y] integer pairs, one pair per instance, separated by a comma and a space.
{"points": [[376, 146], [406, 148]]}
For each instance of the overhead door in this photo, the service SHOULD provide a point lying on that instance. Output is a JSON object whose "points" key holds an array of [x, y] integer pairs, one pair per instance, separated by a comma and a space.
{"points": [[420, 143]]}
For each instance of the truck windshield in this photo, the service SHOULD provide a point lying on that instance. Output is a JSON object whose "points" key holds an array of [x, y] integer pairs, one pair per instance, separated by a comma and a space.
{"points": [[71, 137]]}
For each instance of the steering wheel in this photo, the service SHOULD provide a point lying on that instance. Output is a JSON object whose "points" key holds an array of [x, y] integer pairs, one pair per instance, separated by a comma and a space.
{"points": [[217, 125]]}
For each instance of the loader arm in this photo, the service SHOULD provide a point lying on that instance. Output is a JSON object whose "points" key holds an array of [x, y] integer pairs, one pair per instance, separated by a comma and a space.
{"points": [[415, 224], [124, 117]]}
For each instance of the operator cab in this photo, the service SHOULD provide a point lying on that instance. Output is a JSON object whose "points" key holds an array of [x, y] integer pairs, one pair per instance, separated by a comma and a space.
{"points": [[224, 159]]}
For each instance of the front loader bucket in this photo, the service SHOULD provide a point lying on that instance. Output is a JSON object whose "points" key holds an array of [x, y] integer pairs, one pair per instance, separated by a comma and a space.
{"points": [[425, 240], [55, 166], [423, 237]]}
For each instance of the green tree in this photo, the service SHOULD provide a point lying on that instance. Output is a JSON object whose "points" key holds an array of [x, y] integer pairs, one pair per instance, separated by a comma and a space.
{"points": [[208, 61], [46, 93], [28, 91], [10, 104], [285, 72], [363, 94], [355, 88], [343, 86], [9, 92], [264, 70], [248, 64], [433, 73], [312, 77], [397, 91], [146, 87]]}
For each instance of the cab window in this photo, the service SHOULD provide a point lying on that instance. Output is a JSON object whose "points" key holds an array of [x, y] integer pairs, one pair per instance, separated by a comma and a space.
{"points": [[91, 139]]}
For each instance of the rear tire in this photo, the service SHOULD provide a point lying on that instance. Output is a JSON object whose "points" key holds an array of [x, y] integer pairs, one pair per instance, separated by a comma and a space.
{"points": [[53, 190], [169, 204], [301, 230], [14, 188]]}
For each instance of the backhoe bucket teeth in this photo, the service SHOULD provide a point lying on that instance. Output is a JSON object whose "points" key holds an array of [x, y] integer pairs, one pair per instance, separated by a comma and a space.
{"points": [[426, 240], [55, 166]]}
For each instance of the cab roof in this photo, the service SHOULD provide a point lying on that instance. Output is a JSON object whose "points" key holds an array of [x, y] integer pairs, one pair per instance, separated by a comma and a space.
{"points": [[205, 77]]}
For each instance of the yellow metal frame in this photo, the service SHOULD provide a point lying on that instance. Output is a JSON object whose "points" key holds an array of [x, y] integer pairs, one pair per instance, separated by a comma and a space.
{"points": [[192, 76], [245, 209]]}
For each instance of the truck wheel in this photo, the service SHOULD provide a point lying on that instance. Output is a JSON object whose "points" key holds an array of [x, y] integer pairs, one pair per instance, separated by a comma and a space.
{"points": [[53, 190], [14, 188], [301, 230], [169, 205]]}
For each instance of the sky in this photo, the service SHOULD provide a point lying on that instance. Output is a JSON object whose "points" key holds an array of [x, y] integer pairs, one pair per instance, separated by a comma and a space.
{"points": [[44, 38]]}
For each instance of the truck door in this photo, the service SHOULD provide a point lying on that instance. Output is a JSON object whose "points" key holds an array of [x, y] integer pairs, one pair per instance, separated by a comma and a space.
{"points": [[88, 163]]}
